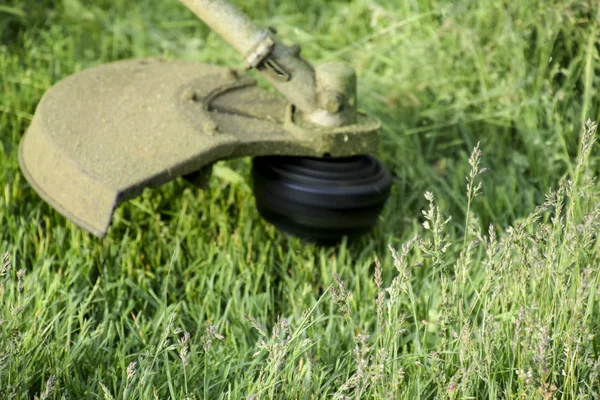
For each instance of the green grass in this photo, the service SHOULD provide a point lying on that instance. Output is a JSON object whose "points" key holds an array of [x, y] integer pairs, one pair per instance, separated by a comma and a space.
{"points": [[501, 301]]}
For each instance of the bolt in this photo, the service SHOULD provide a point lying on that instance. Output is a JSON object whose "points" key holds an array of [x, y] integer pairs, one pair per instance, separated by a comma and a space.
{"points": [[230, 74], [295, 49], [210, 127], [332, 102], [188, 94]]}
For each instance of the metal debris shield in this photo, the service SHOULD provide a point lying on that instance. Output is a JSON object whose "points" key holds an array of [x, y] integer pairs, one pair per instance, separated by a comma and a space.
{"points": [[101, 136]]}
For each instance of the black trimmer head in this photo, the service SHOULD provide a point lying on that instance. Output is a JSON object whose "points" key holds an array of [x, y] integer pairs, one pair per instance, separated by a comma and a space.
{"points": [[321, 199]]}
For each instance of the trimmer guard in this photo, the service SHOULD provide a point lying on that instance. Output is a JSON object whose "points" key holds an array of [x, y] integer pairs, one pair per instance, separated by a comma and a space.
{"points": [[101, 136]]}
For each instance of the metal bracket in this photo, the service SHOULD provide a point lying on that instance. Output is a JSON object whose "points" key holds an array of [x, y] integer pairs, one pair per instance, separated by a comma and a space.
{"points": [[260, 58], [260, 52], [276, 70]]}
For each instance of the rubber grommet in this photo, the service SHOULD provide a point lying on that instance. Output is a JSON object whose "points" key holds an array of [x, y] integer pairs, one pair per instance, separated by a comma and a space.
{"points": [[321, 199]]}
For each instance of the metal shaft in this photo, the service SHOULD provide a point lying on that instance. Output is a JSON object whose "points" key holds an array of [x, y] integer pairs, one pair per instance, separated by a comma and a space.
{"points": [[229, 22]]}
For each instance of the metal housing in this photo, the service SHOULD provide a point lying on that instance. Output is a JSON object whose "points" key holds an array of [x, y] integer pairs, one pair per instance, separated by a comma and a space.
{"points": [[101, 136]]}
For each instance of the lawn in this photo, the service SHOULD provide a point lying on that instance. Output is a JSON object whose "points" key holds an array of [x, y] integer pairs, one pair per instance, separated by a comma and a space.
{"points": [[480, 281]]}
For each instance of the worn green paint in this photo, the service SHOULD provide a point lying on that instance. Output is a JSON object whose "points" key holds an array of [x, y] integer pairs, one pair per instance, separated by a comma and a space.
{"points": [[101, 136]]}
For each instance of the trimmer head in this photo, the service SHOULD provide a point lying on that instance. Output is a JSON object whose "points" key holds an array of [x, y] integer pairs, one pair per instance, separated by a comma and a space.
{"points": [[101, 136]]}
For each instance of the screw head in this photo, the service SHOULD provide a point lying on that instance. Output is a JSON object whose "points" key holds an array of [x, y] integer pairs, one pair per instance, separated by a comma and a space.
{"points": [[332, 102]]}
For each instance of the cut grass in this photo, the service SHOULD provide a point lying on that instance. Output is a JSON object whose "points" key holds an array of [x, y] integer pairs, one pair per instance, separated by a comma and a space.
{"points": [[470, 312]]}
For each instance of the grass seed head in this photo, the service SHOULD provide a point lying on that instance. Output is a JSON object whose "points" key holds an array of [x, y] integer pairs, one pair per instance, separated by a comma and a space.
{"points": [[183, 349], [21, 283], [256, 325], [6, 264], [50, 387], [106, 392], [131, 371], [341, 295], [210, 335], [378, 273]]}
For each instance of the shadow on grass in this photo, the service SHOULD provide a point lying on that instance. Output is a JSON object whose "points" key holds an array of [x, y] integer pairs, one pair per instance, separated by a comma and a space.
{"points": [[23, 16]]}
